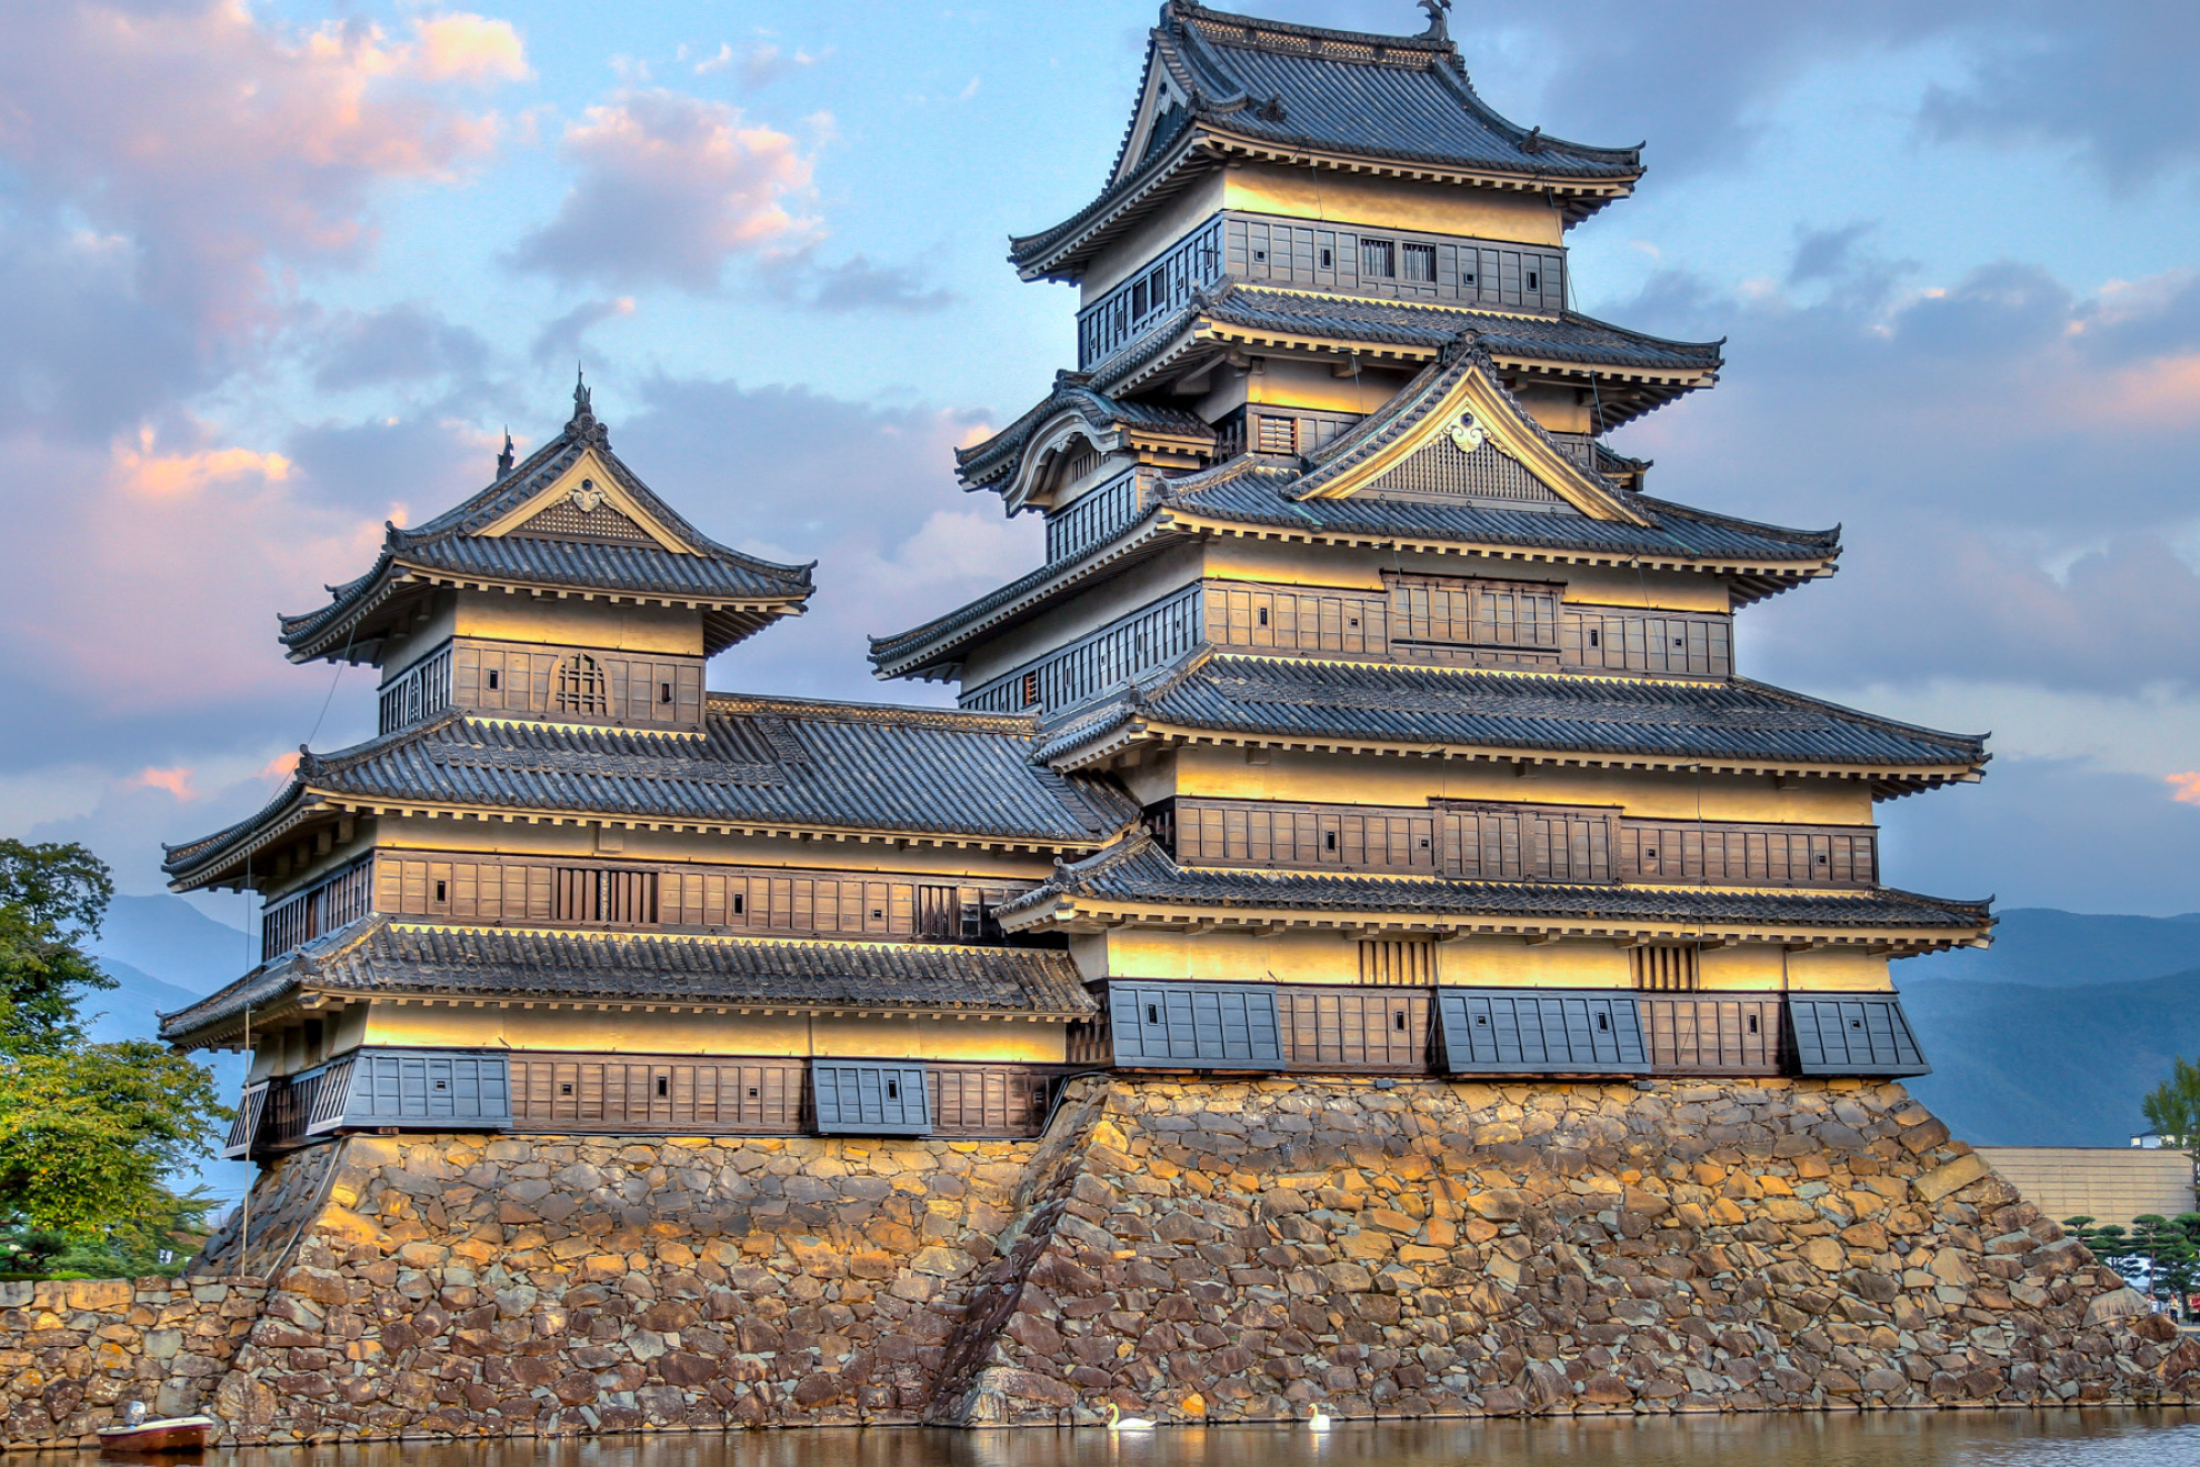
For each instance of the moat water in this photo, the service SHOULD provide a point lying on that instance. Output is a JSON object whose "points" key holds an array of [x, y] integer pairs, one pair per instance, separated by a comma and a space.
{"points": [[2104, 1438]]}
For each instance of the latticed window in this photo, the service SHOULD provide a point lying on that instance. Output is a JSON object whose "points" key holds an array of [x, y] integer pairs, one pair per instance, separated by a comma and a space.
{"points": [[1665, 969], [582, 688], [1276, 435], [1398, 964]]}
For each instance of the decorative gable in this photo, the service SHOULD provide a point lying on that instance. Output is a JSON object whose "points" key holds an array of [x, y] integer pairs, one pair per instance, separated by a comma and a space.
{"points": [[1452, 469], [582, 515], [1161, 102], [585, 502], [1458, 433]]}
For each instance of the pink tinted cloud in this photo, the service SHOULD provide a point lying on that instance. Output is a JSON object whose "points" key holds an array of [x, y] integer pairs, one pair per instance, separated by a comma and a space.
{"points": [[161, 566], [671, 187], [2187, 786], [208, 137], [176, 781]]}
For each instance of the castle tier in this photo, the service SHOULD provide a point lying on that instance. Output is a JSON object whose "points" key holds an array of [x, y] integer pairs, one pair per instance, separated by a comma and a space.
{"points": [[1367, 715]]}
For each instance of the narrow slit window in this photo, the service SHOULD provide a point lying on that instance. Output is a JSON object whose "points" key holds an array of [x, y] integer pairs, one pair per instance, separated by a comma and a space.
{"points": [[1604, 1022], [1153, 1013], [664, 1086], [440, 891], [492, 679], [565, 1087], [1533, 282], [893, 1089], [1752, 1023], [1398, 1021], [740, 903], [664, 692], [1329, 258], [1263, 616]]}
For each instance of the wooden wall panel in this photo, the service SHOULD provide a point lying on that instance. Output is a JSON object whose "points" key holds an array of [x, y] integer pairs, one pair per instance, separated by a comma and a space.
{"points": [[1353, 1028], [743, 1095], [1528, 843], [1757, 855], [493, 889], [1295, 619], [521, 681], [1306, 837], [1673, 643]]}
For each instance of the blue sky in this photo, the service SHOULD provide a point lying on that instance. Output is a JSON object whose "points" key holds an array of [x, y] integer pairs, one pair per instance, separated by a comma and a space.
{"points": [[275, 274]]}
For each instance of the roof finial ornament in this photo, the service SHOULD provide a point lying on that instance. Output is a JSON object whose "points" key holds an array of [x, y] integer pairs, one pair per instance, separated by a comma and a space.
{"points": [[1439, 25], [506, 457], [584, 424]]}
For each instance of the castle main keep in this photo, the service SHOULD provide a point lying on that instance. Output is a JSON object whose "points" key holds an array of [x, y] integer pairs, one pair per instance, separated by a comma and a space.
{"points": [[1360, 938]]}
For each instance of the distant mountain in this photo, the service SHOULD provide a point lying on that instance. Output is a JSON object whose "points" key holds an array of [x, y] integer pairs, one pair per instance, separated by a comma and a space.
{"points": [[192, 955], [172, 940], [127, 1011], [2033, 1066], [2039, 945]]}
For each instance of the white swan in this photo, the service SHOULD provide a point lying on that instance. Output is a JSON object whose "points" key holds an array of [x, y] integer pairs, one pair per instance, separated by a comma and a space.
{"points": [[1316, 1418], [1117, 1421]]}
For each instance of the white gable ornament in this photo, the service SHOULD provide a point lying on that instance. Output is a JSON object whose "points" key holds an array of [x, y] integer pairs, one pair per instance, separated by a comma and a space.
{"points": [[1467, 435], [587, 498]]}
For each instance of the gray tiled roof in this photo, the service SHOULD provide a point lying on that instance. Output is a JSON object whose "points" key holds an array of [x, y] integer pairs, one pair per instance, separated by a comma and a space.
{"points": [[380, 956], [1139, 870], [1568, 337], [998, 455], [763, 761], [1636, 372], [450, 544], [1403, 98], [1261, 496], [1475, 708]]}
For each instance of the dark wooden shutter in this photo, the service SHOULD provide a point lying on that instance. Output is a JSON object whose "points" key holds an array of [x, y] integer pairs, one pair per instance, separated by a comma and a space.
{"points": [[1540, 1032], [870, 1098], [1853, 1034], [427, 1090], [1227, 1026]]}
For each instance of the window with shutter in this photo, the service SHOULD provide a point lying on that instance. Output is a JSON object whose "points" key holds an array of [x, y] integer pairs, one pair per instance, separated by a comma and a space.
{"points": [[1420, 263], [1378, 259]]}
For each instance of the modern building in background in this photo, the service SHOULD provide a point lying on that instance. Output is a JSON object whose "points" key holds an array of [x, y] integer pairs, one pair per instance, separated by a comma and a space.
{"points": [[2110, 1184], [1368, 714]]}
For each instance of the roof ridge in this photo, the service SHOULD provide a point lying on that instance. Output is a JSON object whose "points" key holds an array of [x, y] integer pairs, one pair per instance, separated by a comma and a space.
{"points": [[851, 711], [1977, 741]]}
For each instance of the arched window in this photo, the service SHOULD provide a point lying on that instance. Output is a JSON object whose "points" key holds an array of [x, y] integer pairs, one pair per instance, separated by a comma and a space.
{"points": [[581, 687]]}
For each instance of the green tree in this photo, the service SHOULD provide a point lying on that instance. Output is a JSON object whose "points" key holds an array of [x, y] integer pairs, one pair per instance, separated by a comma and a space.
{"points": [[88, 1132], [2172, 1108], [52, 898]]}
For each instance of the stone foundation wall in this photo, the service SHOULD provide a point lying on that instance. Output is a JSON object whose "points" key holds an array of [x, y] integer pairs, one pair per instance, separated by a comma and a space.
{"points": [[75, 1353], [1238, 1251], [1190, 1250]]}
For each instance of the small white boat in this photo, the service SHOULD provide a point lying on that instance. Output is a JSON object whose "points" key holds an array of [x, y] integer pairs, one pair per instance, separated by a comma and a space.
{"points": [[168, 1434]]}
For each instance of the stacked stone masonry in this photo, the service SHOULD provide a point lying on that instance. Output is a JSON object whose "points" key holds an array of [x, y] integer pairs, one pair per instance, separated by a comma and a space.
{"points": [[1208, 1250]]}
